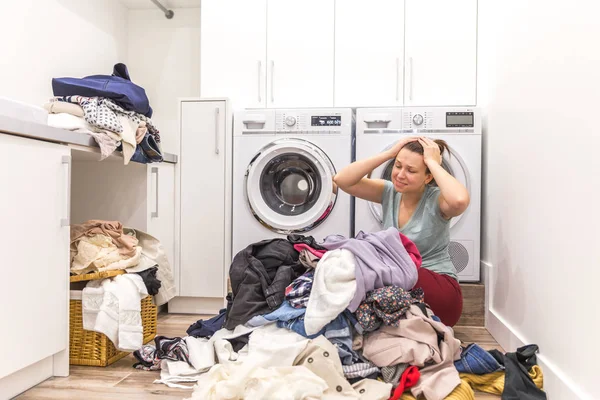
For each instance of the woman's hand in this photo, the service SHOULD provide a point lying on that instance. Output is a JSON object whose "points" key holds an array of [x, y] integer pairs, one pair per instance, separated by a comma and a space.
{"points": [[431, 151], [393, 152]]}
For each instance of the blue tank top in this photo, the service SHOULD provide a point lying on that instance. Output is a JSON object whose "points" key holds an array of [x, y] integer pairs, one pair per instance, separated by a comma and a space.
{"points": [[427, 228]]}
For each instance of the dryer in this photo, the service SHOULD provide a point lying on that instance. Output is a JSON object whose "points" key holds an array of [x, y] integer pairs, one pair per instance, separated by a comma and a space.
{"points": [[377, 129], [284, 161]]}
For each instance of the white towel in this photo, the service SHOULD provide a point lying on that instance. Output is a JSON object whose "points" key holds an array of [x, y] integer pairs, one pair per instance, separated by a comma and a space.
{"points": [[201, 351], [131, 290], [118, 314], [91, 301], [172, 373], [333, 288], [271, 346], [248, 382], [70, 122]]}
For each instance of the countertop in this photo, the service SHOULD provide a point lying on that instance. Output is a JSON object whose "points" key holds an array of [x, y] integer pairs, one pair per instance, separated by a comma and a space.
{"points": [[14, 126]]}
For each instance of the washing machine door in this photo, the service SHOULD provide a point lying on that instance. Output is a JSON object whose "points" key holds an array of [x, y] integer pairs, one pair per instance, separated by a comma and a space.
{"points": [[451, 162], [289, 186]]}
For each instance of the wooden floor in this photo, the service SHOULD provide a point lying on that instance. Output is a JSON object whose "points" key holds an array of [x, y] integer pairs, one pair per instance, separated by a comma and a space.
{"points": [[120, 380]]}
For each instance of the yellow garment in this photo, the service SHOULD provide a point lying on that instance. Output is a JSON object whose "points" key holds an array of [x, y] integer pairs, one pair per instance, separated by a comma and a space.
{"points": [[489, 383]]}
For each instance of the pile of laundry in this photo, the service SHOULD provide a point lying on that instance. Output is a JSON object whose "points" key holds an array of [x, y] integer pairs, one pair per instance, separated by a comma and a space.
{"points": [[112, 306], [111, 109], [331, 320]]}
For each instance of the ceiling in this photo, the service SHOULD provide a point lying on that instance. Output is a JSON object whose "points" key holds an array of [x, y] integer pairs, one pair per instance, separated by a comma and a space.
{"points": [[147, 4]]}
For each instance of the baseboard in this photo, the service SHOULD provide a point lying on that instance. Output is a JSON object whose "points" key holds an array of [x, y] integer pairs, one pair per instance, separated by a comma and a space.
{"points": [[557, 383], [18, 382], [196, 305]]}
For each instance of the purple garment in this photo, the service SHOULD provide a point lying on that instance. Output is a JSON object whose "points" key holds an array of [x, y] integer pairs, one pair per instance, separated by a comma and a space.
{"points": [[381, 260]]}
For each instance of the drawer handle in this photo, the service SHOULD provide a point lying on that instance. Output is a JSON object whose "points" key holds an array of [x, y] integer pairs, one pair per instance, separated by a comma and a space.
{"points": [[258, 80], [66, 160], [154, 214], [217, 130]]}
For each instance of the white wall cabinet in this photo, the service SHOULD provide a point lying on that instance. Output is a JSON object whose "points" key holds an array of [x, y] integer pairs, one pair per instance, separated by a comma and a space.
{"points": [[441, 52], [268, 53], [369, 53], [35, 260], [300, 53], [343, 53], [234, 50], [205, 203]]}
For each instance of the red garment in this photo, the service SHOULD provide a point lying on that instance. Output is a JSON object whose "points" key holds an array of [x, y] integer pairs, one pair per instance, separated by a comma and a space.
{"points": [[409, 378], [412, 250], [442, 294], [301, 246]]}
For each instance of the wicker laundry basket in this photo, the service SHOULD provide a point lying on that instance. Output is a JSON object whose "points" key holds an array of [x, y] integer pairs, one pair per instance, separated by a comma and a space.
{"points": [[93, 348]]}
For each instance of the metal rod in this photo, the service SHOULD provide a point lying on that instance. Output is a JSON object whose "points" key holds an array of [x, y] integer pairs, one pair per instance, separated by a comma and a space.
{"points": [[168, 13]]}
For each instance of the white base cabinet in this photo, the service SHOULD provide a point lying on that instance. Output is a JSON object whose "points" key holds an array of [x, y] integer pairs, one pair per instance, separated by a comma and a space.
{"points": [[35, 261]]}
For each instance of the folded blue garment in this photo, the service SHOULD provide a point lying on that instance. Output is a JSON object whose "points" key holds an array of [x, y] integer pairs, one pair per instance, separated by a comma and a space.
{"points": [[475, 360], [117, 87]]}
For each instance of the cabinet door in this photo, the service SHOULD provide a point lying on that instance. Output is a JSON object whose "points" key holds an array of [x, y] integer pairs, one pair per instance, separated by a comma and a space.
{"points": [[300, 53], [202, 261], [35, 251], [440, 53], [369, 53], [161, 207], [233, 51]]}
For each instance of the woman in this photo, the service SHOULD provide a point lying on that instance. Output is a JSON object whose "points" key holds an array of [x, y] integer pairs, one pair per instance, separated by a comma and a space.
{"points": [[419, 209]]}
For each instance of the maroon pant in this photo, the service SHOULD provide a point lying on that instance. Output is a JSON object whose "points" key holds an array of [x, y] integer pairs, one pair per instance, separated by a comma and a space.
{"points": [[442, 294]]}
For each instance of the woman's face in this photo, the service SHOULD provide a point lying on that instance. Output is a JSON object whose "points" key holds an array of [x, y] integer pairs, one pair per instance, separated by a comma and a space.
{"points": [[410, 172]]}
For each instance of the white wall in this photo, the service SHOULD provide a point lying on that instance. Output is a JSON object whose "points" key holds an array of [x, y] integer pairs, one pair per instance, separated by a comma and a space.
{"points": [[43, 39], [164, 58], [539, 79]]}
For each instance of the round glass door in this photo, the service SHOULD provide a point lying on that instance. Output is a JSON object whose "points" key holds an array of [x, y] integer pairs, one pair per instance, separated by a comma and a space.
{"points": [[451, 162], [289, 186]]}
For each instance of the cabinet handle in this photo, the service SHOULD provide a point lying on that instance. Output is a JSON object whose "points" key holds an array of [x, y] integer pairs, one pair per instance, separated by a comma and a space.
{"points": [[217, 130], [154, 214], [397, 79], [272, 81], [66, 160], [410, 88], [259, 73]]}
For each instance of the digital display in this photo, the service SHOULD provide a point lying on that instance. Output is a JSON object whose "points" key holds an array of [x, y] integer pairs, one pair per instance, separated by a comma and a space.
{"points": [[454, 119], [326, 120]]}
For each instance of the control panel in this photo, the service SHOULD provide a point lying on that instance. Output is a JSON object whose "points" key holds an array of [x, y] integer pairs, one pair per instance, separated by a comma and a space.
{"points": [[432, 118], [313, 121]]}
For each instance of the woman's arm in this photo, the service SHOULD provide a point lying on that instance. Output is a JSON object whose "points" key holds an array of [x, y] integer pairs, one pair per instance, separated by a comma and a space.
{"points": [[454, 197], [351, 179]]}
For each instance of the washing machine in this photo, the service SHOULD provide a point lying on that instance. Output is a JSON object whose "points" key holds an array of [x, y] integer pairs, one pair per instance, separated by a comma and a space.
{"points": [[377, 129], [284, 161]]}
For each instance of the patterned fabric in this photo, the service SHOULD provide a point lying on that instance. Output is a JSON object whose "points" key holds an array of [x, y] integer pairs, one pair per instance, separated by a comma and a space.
{"points": [[103, 113], [386, 306], [392, 374], [173, 349], [360, 370], [147, 359], [298, 292]]}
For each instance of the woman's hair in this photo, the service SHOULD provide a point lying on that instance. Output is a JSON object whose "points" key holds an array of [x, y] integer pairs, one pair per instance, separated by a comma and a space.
{"points": [[416, 147]]}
